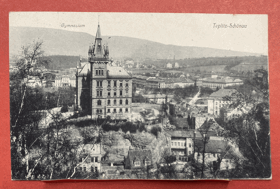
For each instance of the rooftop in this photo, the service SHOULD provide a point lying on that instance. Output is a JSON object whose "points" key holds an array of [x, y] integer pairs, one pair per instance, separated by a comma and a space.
{"points": [[212, 146], [222, 93], [117, 72]]}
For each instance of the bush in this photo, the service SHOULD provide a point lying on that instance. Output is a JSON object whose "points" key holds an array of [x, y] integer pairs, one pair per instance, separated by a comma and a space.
{"points": [[64, 108], [155, 130]]}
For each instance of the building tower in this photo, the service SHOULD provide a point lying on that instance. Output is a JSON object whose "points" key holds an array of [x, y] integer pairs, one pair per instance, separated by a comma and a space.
{"points": [[98, 57], [103, 90]]}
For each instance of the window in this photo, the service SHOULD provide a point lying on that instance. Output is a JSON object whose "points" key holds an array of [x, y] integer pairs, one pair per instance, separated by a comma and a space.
{"points": [[189, 152], [190, 145], [91, 169], [101, 72], [126, 84], [99, 102], [108, 111], [147, 162], [109, 93], [97, 93], [115, 93], [120, 84], [126, 110], [96, 158], [99, 83], [108, 102], [92, 159], [120, 110], [175, 143], [81, 159], [115, 83], [171, 143], [96, 72], [120, 102], [115, 102], [109, 83], [137, 163], [115, 110], [120, 92]]}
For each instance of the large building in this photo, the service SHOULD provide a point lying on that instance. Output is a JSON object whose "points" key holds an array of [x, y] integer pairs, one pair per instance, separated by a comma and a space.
{"points": [[219, 82], [103, 90], [216, 100]]}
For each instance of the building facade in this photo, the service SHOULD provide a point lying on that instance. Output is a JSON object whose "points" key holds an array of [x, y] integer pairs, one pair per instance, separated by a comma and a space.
{"points": [[103, 90], [216, 101]]}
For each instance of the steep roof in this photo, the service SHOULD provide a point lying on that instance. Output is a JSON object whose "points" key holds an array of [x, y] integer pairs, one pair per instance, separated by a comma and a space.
{"points": [[140, 155], [117, 72], [85, 69], [211, 125]]}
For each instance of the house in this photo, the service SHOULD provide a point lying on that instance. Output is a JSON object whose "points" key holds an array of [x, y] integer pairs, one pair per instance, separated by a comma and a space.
{"points": [[212, 152], [176, 65], [217, 100], [169, 65], [89, 157], [229, 112], [138, 159], [182, 143]]}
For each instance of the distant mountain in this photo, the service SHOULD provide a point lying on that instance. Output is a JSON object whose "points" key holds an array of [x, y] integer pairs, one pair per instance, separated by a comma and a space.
{"points": [[62, 42]]}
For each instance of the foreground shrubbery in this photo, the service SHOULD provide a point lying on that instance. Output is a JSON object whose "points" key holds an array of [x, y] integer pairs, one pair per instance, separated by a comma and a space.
{"points": [[125, 127], [155, 130]]}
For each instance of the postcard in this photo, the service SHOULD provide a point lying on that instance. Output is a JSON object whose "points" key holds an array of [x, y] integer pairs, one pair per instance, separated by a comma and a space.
{"points": [[96, 95]]}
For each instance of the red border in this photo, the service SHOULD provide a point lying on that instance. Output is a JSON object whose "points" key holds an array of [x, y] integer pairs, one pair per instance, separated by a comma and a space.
{"points": [[272, 8]]}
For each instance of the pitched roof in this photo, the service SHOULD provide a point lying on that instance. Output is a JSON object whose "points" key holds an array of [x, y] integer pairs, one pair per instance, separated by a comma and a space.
{"points": [[211, 125], [222, 93], [212, 146], [85, 69], [183, 134], [117, 72], [139, 155]]}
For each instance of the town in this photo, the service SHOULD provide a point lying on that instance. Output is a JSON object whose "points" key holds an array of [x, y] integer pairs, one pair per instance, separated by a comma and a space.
{"points": [[200, 118]]}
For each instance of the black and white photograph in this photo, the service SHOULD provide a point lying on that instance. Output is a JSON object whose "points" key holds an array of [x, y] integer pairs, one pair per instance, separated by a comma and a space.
{"points": [[156, 96]]}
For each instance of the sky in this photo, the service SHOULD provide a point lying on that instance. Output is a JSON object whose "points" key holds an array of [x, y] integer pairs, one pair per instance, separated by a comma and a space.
{"points": [[182, 29]]}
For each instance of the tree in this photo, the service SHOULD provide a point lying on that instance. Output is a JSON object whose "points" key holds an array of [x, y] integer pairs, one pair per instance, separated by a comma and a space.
{"points": [[251, 131]]}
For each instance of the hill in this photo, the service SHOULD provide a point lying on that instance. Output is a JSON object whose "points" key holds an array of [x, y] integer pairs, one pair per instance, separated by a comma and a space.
{"points": [[62, 42]]}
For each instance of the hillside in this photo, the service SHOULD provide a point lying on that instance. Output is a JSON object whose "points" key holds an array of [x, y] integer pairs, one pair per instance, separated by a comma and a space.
{"points": [[62, 42]]}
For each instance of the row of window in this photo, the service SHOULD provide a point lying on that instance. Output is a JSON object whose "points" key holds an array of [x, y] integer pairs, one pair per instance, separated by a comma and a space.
{"points": [[92, 169], [99, 93], [99, 102], [92, 159], [99, 84], [209, 155], [99, 72], [138, 164], [180, 144], [99, 111]]}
